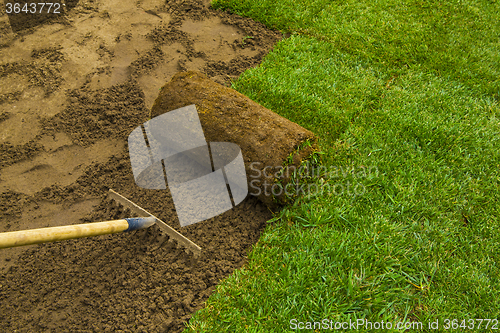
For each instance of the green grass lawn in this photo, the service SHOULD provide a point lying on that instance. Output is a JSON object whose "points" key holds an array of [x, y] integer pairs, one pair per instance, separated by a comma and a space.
{"points": [[404, 226]]}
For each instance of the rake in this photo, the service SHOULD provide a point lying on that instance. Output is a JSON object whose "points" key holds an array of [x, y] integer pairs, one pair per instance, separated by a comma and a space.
{"points": [[53, 234]]}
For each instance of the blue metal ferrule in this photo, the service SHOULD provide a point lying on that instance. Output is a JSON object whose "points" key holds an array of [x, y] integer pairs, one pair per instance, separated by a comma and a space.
{"points": [[136, 223]]}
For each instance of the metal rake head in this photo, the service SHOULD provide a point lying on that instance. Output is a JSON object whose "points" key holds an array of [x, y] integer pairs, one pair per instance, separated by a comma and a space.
{"points": [[172, 233]]}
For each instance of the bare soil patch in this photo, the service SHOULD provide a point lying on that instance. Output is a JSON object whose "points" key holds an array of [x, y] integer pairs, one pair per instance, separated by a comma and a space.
{"points": [[72, 88]]}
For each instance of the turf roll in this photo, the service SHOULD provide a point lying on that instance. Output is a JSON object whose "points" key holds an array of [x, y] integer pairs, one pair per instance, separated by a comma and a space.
{"points": [[274, 148]]}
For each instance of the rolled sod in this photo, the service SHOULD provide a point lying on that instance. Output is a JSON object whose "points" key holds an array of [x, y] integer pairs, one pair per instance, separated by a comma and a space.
{"points": [[273, 147]]}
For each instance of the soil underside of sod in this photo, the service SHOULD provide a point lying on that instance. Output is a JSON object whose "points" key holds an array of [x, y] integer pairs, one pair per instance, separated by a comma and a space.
{"points": [[72, 88]]}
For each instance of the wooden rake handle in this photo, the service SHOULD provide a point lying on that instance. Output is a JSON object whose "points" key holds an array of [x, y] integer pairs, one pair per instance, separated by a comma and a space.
{"points": [[44, 235]]}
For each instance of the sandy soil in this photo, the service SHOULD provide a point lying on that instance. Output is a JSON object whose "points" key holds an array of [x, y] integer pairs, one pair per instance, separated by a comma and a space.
{"points": [[72, 87]]}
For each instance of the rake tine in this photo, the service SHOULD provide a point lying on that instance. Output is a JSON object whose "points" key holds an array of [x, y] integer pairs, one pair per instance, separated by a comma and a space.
{"points": [[171, 232]]}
